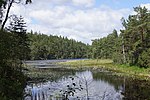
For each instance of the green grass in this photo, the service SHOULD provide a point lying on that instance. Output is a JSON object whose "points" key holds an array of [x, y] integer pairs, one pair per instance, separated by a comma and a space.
{"points": [[131, 71], [87, 63]]}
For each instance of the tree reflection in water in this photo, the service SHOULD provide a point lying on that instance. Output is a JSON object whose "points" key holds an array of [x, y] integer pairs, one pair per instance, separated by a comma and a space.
{"points": [[136, 90], [96, 86]]}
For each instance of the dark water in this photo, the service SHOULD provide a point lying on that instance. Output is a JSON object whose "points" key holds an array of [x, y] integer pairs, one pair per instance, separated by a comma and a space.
{"points": [[89, 85]]}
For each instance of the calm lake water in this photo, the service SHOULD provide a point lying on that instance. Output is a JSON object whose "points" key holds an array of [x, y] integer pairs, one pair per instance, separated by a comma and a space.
{"points": [[85, 84]]}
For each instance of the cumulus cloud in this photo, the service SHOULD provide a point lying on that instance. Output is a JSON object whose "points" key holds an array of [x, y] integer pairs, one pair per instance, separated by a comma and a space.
{"points": [[80, 3], [80, 24], [86, 3]]}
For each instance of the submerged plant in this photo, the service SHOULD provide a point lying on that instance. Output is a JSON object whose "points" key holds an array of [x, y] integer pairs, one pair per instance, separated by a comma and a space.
{"points": [[71, 89]]}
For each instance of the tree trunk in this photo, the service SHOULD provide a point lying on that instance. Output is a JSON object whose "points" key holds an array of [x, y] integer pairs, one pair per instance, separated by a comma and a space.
{"points": [[123, 50], [7, 14]]}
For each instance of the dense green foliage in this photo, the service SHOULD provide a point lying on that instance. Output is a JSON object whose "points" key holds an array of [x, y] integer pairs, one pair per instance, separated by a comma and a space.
{"points": [[132, 46], [17, 28], [14, 48], [136, 37], [12, 82], [54, 47], [105, 47]]}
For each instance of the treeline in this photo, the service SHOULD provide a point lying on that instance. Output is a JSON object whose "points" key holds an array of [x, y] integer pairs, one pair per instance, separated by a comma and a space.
{"points": [[55, 47], [132, 45]]}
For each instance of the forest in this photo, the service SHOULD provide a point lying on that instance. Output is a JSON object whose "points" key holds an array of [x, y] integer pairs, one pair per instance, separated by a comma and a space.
{"points": [[131, 46], [55, 47]]}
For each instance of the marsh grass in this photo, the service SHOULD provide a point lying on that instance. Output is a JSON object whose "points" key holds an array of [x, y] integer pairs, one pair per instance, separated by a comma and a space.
{"points": [[122, 70], [88, 63]]}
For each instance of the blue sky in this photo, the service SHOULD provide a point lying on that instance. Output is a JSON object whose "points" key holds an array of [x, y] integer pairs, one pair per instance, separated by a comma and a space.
{"points": [[82, 20], [119, 4]]}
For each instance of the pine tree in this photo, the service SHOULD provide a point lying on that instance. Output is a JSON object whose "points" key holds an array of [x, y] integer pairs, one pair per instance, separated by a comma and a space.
{"points": [[136, 36], [21, 45]]}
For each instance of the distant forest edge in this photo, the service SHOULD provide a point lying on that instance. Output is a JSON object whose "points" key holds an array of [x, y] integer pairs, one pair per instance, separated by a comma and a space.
{"points": [[55, 47]]}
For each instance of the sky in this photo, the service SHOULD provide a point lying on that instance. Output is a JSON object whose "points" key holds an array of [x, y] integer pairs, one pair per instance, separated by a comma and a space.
{"points": [[82, 20]]}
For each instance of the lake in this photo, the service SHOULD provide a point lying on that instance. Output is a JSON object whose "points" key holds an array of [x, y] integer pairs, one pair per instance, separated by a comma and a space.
{"points": [[82, 84]]}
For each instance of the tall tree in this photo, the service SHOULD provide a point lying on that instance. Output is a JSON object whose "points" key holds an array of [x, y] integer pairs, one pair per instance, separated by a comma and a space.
{"points": [[18, 29], [135, 34]]}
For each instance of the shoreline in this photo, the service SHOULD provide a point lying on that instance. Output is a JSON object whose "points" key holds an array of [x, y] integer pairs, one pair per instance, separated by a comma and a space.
{"points": [[107, 64]]}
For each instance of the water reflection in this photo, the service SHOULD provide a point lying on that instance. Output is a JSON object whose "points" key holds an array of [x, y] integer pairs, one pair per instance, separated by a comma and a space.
{"points": [[96, 86], [99, 88], [107, 77], [137, 90]]}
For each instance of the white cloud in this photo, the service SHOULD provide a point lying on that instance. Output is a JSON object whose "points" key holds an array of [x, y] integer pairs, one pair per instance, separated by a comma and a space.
{"points": [[80, 24], [86, 3], [80, 3]]}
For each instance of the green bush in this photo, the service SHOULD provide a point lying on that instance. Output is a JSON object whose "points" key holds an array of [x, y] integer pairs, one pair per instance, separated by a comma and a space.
{"points": [[144, 58], [12, 79], [117, 58], [12, 83]]}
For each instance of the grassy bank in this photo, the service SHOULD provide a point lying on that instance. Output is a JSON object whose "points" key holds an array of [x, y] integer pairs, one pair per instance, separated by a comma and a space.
{"points": [[123, 70]]}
